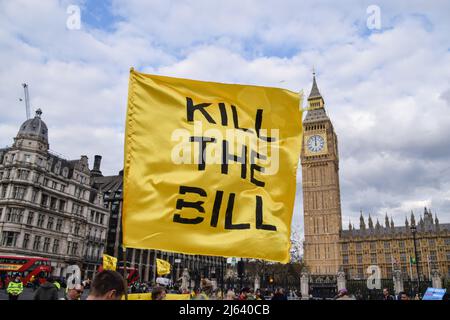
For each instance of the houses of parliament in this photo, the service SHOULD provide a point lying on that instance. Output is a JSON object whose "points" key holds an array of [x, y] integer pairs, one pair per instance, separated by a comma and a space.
{"points": [[328, 248]]}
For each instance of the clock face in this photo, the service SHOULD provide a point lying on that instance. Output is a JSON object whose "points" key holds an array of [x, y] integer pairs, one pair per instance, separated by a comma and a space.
{"points": [[315, 143]]}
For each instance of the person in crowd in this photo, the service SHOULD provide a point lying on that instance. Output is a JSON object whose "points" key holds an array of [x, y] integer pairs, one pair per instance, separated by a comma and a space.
{"points": [[259, 295], [107, 285], [387, 295], [15, 288], [243, 295], [230, 295], [279, 294], [343, 295], [74, 293], [403, 296], [158, 293], [46, 291]]}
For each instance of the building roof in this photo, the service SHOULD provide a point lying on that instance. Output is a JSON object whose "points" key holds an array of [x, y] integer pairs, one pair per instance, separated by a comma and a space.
{"points": [[426, 225], [111, 186], [316, 115], [34, 128], [314, 90]]}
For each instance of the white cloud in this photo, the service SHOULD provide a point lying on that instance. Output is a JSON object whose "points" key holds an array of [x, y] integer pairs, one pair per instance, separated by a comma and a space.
{"points": [[387, 92]]}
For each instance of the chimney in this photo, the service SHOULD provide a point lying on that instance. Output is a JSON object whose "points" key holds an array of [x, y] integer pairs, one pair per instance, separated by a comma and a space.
{"points": [[95, 172]]}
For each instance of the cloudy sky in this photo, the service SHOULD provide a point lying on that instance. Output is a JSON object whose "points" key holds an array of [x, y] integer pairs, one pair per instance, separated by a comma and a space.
{"points": [[386, 90]]}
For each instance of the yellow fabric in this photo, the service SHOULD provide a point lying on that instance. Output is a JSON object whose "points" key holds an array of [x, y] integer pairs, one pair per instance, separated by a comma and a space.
{"points": [[148, 296], [162, 267], [157, 113], [109, 263]]}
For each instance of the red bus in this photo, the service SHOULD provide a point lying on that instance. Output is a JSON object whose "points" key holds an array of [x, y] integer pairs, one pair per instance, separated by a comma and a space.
{"points": [[132, 273], [26, 267]]}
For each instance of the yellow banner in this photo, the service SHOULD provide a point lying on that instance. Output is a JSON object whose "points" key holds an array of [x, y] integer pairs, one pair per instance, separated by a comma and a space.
{"points": [[210, 168], [109, 263], [162, 267], [148, 296]]}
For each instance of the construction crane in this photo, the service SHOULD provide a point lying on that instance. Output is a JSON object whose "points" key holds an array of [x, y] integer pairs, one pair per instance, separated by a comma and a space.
{"points": [[27, 100]]}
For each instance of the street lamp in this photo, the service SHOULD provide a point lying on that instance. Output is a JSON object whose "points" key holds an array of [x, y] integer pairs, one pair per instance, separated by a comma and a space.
{"points": [[413, 231]]}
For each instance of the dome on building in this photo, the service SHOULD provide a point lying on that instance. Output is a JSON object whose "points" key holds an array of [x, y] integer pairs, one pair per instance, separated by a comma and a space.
{"points": [[34, 128]]}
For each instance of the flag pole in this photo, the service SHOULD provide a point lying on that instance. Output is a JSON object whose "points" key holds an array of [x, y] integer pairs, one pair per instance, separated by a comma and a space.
{"points": [[221, 268], [125, 273]]}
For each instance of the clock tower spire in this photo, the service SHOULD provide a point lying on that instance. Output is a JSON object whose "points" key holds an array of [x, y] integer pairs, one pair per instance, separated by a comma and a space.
{"points": [[321, 193]]}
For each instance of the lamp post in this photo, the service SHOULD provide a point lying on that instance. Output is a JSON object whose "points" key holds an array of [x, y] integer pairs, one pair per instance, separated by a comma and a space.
{"points": [[413, 231]]}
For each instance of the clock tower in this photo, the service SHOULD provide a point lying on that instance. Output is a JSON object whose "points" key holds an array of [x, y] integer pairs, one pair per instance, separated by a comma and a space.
{"points": [[321, 193]]}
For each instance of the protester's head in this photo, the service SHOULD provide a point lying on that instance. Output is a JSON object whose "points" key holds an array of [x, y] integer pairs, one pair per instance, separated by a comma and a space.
{"points": [[49, 279], [342, 292], [403, 296], [385, 291], [158, 293], [244, 292], [75, 292], [107, 285]]}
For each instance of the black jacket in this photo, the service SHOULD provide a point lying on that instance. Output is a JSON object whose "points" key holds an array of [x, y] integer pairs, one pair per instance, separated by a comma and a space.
{"points": [[46, 291]]}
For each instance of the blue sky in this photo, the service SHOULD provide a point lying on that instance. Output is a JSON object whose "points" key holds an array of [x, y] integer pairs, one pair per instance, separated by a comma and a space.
{"points": [[387, 91]]}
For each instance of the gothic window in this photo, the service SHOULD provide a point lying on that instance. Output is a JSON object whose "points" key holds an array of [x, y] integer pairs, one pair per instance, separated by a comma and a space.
{"points": [[40, 222], [59, 223], [373, 258], [388, 258], [44, 200], [431, 242], [50, 223], [26, 240], [62, 205], [4, 187], [46, 244], [387, 245], [373, 246], [30, 218], [55, 246], [19, 193], [36, 243], [34, 195], [53, 203], [345, 259], [359, 258], [9, 238], [358, 246], [74, 248]]}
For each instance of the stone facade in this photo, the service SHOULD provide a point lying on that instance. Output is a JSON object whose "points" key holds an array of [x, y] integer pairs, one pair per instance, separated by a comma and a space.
{"points": [[327, 247], [391, 248], [48, 205], [321, 193]]}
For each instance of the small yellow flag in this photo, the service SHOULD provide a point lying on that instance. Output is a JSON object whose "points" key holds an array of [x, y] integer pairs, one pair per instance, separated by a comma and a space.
{"points": [[210, 168], [109, 263], [162, 267]]}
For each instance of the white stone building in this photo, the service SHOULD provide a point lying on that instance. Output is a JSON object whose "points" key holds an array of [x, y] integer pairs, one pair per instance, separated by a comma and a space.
{"points": [[48, 205]]}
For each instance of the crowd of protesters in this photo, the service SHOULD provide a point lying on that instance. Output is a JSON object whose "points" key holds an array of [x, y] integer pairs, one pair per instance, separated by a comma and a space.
{"points": [[110, 285]]}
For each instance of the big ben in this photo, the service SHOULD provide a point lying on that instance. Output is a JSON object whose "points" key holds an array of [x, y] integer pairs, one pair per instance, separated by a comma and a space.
{"points": [[321, 195]]}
